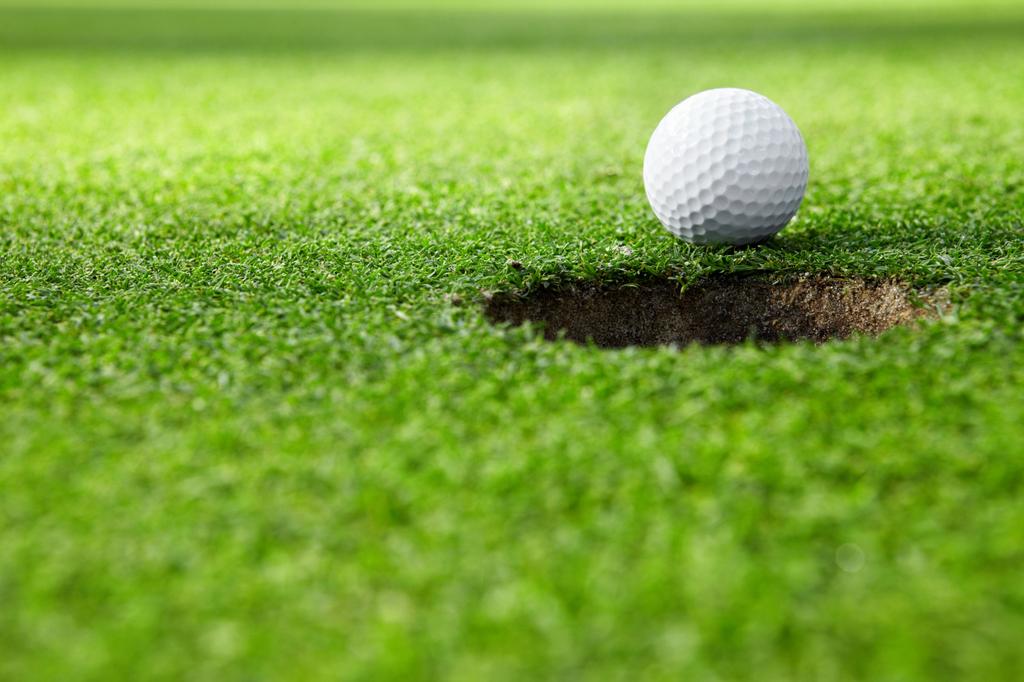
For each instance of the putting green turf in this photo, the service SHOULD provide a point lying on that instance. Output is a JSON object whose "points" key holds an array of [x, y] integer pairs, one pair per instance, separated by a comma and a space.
{"points": [[245, 435]]}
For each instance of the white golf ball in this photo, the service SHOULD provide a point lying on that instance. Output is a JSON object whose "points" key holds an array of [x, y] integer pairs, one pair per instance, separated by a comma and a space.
{"points": [[725, 166]]}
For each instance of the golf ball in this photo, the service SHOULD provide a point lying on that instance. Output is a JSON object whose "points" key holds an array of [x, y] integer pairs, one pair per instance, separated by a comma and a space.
{"points": [[725, 166]]}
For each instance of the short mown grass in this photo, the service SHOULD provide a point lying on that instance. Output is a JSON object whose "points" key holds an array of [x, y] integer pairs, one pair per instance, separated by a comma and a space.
{"points": [[245, 434]]}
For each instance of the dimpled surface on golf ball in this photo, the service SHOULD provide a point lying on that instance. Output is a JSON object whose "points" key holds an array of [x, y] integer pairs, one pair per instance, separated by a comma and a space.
{"points": [[725, 166]]}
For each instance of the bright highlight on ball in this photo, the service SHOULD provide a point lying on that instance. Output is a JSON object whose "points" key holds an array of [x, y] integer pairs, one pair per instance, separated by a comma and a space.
{"points": [[725, 166]]}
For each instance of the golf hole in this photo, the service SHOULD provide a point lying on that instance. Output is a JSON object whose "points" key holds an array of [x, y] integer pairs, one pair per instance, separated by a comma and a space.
{"points": [[717, 310]]}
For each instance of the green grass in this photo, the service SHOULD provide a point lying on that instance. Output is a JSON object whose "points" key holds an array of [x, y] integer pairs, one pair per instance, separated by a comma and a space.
{"points": [[243, 434]]}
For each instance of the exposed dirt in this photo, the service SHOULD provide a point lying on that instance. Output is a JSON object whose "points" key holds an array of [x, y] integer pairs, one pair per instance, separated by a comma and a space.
{"points": [[719, 310]]}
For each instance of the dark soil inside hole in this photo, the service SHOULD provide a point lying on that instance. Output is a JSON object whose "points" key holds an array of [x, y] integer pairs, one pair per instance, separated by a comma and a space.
{"points": [[718, 310]]}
